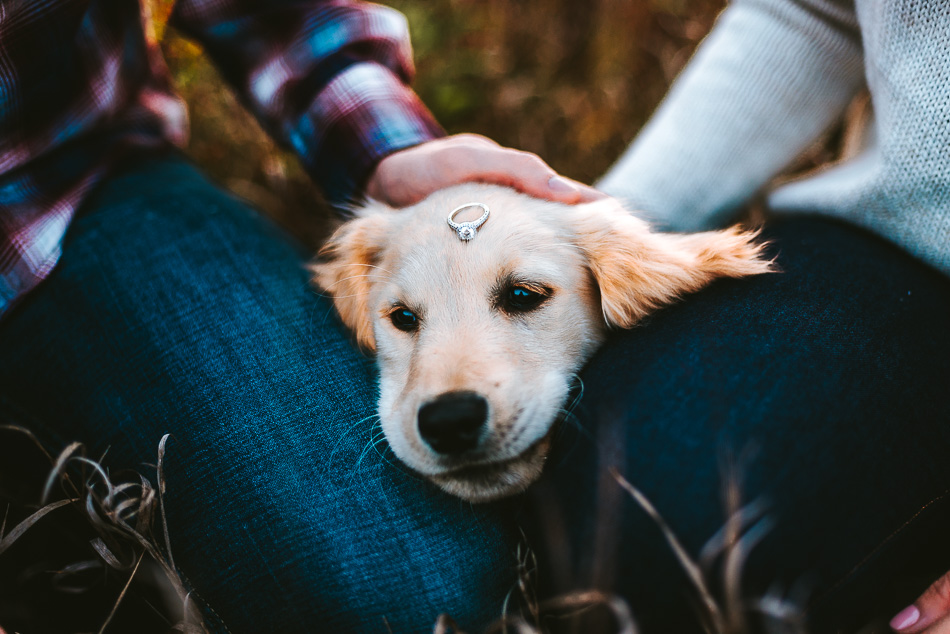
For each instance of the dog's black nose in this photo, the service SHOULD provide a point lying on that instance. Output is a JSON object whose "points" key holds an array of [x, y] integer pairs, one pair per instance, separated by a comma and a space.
{"points": [[452, 422]]}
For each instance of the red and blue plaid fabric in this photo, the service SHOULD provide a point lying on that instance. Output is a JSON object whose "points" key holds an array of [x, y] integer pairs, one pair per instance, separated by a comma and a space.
{"points": [[83, 81]]}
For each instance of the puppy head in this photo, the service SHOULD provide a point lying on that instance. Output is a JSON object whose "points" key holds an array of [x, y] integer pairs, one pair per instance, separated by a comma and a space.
{"points": [[478, 342]]}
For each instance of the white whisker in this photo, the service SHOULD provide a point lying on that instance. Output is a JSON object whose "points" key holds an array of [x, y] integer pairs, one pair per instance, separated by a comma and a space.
{"points": [[349, 429], [353, 277], [374, 439], [374, 266]]}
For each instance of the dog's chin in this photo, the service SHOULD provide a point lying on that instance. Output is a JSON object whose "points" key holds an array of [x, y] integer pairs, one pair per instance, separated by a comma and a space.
{"points": [[494, 480]]}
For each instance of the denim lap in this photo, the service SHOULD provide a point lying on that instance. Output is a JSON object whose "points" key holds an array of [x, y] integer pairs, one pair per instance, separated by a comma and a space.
{"points": [[824, 385], [176, 309]]}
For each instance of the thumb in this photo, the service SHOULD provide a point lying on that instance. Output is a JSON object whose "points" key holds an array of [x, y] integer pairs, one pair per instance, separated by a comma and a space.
{"points": [[941, 626], [529, 174], [932, 608], [561, 185]]}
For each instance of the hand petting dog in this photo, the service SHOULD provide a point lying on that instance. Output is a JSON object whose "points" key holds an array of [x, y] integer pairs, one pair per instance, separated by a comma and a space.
{"points": [[406, 177]]}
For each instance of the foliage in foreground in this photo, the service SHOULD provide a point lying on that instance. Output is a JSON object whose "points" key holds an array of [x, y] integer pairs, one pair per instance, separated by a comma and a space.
{"points": [[93, 554]]}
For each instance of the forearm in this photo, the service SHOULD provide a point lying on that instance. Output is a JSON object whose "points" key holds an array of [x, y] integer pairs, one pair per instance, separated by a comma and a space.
{"points": [[770, 78]]}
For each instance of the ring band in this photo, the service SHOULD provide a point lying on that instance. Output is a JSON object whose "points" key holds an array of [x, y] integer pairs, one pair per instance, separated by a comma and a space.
{"points": [[467, 230]]}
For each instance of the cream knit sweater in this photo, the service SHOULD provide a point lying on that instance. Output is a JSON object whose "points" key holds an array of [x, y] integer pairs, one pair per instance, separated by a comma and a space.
{"points": [[768, 80]]}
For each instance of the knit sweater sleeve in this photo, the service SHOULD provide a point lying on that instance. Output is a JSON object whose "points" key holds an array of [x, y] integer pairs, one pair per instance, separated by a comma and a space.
{"points": [[767, 81]]}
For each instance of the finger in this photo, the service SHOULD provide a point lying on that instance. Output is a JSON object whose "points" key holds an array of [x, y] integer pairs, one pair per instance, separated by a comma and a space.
{"points": [[941, 626], [406, 177], [522, 171], [588, 193], [469, 137], [529, 174], [930, 608]]}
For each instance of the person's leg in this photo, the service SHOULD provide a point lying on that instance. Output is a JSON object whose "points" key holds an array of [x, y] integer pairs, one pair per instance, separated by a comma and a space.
{"points": [[175, 308], [832, 377]]}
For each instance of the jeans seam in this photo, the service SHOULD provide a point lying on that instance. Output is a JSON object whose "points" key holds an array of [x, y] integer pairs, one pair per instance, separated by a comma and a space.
{"points": [[198, 596], [847, 576]]}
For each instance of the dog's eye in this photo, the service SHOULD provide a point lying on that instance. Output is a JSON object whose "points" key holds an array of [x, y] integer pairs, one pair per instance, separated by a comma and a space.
{"points": [[522, 299], [404, 319]]}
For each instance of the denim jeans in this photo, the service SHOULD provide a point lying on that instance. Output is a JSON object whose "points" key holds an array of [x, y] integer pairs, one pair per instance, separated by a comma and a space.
{"points": [[824, 389], [176, 308]]}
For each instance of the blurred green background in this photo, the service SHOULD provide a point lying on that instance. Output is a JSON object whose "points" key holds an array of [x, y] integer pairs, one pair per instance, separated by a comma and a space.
{"points": [[571, 81]]}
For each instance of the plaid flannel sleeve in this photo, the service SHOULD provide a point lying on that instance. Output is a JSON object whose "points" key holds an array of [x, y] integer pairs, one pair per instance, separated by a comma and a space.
{"points": [[328, 78]]}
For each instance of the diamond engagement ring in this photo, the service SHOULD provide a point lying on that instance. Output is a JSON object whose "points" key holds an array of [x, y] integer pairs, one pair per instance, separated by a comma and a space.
{"points": [[467, 230]]}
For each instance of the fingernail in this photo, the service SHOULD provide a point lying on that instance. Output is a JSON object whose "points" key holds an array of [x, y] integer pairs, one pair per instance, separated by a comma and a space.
{"points": [[905, 618], [561, 184]]}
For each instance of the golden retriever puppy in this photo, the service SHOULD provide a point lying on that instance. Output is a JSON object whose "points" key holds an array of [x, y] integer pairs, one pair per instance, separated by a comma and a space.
{"points": [[480, 321]]}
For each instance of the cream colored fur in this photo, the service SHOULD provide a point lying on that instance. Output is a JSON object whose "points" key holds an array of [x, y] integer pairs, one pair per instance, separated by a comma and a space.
{"points": [[603, 267]]}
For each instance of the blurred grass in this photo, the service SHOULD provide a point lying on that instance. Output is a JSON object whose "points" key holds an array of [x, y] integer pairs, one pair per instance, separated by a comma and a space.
{"points": [[570, 81]]}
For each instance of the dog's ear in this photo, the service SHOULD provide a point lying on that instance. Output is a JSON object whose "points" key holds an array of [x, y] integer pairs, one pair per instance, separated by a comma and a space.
{"points": [[639, 271], [347, 266]]}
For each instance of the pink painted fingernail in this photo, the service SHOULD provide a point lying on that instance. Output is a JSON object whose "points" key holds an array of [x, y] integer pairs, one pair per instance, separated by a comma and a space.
{"points": [[561, 184], [905, 618]]}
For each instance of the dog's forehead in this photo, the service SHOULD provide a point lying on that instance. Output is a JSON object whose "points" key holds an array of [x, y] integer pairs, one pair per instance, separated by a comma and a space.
{"points": [[513, 218], [522, 237], [517, 225]]}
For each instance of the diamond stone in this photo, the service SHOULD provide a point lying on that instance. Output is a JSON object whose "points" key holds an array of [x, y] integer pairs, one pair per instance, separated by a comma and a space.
{"points": [[466, 232]]}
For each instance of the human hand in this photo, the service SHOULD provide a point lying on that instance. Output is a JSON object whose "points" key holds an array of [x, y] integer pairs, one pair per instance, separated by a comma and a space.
{"points": [[930, 613], [406, 177]]}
